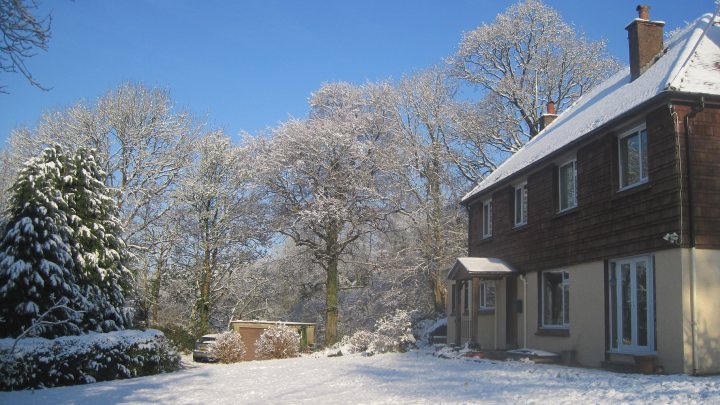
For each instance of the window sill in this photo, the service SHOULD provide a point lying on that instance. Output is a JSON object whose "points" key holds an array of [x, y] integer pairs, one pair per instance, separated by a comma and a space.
{"points": [[567, 211], [486, 311], [520, 227], [553, 332], [630, 190], [486, 239]]}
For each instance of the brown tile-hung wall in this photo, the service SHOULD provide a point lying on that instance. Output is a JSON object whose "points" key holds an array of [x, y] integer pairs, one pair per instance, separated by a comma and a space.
{"points": [[608, 222]]}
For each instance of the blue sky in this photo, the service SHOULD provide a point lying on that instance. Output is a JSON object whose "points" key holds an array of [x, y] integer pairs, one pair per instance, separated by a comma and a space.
{"points": [[248, 65]]}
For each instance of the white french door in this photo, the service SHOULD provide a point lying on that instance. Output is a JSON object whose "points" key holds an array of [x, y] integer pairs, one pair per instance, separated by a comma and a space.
{"points": [[632, 305]]}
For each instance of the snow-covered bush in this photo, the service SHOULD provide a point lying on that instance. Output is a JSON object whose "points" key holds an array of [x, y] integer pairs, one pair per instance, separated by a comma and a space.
{"points": [[228, 347], [357, 342], [278, 342], [70, 360], [393, 332]]}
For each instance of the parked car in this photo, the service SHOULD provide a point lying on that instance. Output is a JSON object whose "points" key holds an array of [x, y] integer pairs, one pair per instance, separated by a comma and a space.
{"points": [[201, 353]]}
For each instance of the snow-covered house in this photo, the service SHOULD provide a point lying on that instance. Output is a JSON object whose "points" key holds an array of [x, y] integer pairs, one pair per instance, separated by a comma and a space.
{"points": [[601, 236]]}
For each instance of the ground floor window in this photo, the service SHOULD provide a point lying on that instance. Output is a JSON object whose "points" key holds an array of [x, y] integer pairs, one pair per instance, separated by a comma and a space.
{"points": [[555, 292], [487, 295], [632, 305]]}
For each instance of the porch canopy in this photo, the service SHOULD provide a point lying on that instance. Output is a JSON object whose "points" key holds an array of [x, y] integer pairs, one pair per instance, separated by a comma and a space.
{"points": [[486, 267]]}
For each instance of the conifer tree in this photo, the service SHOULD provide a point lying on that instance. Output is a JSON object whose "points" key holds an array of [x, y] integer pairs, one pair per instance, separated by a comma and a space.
{"points": [[63, 242], [36, 267], [97, 249]]}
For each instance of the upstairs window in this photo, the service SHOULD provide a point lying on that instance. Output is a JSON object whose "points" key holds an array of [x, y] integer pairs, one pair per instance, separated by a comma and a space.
{"points": [[487, 295], [632, 153], [487, 219], [567, 182], [521, 205]]}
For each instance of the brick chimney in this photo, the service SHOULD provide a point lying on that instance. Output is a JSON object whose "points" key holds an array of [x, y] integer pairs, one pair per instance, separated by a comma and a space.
{"points": [[646, 41], [548, 117]]}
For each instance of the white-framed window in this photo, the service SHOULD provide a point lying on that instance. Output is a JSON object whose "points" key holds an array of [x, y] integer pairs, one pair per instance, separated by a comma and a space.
{"points": [[567, 185], [521, 204], [632, 305], [486, 299], [487, 219], [632, 157], [555, 292]]}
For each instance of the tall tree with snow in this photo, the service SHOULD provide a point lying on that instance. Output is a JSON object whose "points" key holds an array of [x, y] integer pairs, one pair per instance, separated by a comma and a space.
{"points": [[36, 265], [222, 224], [322, 177], [425, 111], [143, 143], [525, 58], [96, 244]]}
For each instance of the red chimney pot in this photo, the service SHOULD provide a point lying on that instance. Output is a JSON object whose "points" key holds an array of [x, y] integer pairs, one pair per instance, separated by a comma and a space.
{"points": [[551, 107], [643, 12]]}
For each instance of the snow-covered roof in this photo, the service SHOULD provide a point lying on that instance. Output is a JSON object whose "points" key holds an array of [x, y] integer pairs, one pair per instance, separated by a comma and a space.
{"points": [[691, 64], [465, 267]]}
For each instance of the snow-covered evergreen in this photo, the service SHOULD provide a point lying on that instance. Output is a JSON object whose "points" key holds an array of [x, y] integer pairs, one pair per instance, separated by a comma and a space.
{"points": [[62, 243], [36, 267], [97, 247]]}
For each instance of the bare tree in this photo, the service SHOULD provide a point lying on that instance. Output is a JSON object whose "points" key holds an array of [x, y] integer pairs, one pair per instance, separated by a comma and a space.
{"points": [[426, 110], [322, 177], [525, 58], [22, 34], [221, 222]]}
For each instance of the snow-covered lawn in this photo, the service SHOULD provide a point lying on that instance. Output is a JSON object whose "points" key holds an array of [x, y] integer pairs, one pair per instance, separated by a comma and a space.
{"points": [[415, 377]]}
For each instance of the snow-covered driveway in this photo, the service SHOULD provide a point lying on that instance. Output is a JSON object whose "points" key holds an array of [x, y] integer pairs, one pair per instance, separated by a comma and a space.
{"points": [[416, 377]]}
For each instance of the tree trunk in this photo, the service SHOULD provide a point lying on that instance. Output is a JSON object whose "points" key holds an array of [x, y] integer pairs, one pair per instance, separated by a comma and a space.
{"points": [[331, 303], [331, 285], [155, 292], [203, 302], [437, 249]]}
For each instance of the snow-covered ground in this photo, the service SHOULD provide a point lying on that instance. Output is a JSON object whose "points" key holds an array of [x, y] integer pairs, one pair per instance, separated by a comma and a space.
{"points": [[415, 377]]}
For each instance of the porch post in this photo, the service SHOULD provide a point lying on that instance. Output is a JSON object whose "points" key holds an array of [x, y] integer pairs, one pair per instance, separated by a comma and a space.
{"points": [[474, 293], [458, 311]]}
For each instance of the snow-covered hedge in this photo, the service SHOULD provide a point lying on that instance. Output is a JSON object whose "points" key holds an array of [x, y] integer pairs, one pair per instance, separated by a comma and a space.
{"points": [[228, 347], [358, 342], [393, 332], [278, 342], [70, 360]]}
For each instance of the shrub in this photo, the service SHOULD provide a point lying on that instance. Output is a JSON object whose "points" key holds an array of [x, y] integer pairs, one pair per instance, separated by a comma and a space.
{"points": [[179, 336], [393, 332], [358, 341], [278, 342], [228, 347], [70, 360]]}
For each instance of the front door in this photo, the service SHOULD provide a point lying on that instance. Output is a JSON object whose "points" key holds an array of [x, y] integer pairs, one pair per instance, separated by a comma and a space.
{"points": [[632, 306]]}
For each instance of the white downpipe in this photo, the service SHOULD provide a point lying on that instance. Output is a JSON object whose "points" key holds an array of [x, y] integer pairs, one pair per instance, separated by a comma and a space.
{"points": [[524, 280], [693, 309], [495, 318]]}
